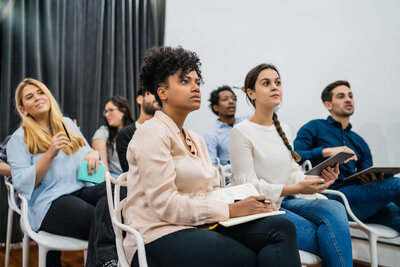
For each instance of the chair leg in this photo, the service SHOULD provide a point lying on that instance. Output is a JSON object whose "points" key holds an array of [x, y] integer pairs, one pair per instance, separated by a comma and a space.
{"points": [[9, 231], [25, 250], [373, 239], [42, 256]]}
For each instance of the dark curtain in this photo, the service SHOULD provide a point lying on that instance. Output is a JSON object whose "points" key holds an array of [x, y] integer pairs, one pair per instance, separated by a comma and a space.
{"points": [[85, 51]]}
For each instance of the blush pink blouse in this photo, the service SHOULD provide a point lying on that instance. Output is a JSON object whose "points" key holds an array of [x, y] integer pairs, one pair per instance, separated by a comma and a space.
{"points": [[168, 186]]}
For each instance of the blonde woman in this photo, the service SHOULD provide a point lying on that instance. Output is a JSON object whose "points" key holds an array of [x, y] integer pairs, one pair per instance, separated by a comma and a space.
{"points": [[44, 164]]}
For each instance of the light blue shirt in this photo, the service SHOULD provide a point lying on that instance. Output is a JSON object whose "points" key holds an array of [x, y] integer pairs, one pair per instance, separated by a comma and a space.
{"points": [[217, 140], [60, 179]]}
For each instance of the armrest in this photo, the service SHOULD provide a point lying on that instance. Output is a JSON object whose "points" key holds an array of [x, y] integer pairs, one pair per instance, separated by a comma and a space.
{"points": [[25, 220], [359, 223], [139, 241]]}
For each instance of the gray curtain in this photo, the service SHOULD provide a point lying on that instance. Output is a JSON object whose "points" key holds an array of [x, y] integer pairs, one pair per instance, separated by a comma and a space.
{"points": [[85, 51]]}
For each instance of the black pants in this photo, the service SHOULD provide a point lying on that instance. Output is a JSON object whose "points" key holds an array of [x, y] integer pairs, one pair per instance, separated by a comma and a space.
{"points": [[84, 215], [102, 246], [270, 241]]}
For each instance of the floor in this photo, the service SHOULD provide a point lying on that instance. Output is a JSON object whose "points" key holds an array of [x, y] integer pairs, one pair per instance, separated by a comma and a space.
{"points": [[68, 258]]}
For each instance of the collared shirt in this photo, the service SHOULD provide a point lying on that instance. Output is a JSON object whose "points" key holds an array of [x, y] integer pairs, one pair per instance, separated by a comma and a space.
{"points": [[217, 140], [168, 185], [319, 134], [3, 148], [60, 178]]}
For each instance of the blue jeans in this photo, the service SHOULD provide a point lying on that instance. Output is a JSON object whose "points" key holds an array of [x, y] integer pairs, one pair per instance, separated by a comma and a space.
{"points": [[377, 202], [322, 229]]}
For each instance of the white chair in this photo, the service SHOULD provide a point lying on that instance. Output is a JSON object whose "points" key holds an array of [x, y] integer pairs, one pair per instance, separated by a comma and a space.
{"points": [[47, 241], [373, 231], [13, 207], [115, 206], [306, 258]]}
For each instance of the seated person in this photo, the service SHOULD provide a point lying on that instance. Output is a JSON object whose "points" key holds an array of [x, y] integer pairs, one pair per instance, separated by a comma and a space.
{"points": [[148, 106], [4, 167], [371, 200], [45, 162], [171, 177], [262, 154], [223, 104], [117, 115]]}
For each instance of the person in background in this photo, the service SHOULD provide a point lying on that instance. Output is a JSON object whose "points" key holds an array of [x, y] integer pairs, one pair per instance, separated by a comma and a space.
{"points": [[4, 167], [45, 160], [223, 104], [117, 114], [262, 154], [148, 106], [323, 138], [171, 177]]}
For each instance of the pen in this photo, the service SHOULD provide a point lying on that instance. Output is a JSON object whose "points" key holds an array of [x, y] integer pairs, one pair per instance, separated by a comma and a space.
{"points": [[266, 201], [65, 129]]}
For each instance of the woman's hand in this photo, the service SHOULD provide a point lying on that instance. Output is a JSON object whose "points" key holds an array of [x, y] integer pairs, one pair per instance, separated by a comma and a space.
{"points": [[329, 173], [58, 142], [312, 184], [93, 161], [251, 205]]}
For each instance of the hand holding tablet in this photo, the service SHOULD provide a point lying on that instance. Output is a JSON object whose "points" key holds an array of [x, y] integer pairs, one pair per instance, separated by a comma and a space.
{"points": [[330, 162]]}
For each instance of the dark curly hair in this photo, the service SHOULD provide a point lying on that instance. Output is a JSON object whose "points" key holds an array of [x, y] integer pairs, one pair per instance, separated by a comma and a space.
{"points": [[161, 62], [214, 96]]}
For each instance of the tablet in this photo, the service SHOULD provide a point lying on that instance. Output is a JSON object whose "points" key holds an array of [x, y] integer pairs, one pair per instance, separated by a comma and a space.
{"points": [[330, 162], [388, 172]]}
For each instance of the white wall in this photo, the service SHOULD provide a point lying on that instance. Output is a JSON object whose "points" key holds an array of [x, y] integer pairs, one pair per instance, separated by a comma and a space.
{"points": [[313, 43]]}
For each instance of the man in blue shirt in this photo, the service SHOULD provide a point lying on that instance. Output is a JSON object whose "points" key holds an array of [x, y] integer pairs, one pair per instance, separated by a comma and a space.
{"points": [[371, 199], [223, 104]]}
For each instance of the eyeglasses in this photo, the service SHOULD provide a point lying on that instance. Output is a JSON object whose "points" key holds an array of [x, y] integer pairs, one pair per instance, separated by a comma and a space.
{"points": [[108, 111]]}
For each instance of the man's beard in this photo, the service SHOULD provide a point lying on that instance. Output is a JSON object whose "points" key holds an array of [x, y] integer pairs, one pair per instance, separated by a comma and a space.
{"points": [[149, 108], [343, 113]]}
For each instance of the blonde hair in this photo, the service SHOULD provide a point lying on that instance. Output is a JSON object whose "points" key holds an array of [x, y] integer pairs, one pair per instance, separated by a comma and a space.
{"points": [[38, 139]]}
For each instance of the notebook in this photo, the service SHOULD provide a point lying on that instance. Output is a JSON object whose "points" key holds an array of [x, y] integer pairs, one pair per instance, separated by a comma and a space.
{"points": [[96, 177], [230, 194]]}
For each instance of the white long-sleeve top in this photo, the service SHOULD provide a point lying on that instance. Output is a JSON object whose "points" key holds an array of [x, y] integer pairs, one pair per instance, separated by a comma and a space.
{"points": [[259, 156]]}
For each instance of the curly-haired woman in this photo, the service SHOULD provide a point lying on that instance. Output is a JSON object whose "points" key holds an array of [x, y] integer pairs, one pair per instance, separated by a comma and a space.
{"points": [[171, 177]]}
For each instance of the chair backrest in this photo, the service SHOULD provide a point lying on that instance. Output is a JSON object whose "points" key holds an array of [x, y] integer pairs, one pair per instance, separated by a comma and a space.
{"points": [[11, 195], [115, 206], [224, 174]]}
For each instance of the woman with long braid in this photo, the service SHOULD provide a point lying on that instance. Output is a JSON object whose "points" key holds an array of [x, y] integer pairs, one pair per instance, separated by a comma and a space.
{"points": [[262, 154]]}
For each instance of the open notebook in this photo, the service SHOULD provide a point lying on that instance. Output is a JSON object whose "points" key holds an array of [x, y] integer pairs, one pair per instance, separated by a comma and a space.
{"points": [[230, 194]]}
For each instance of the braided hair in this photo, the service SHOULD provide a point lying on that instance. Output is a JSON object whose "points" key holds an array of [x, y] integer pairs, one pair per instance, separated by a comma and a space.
{"points": [[249, 83], [282, 134]]}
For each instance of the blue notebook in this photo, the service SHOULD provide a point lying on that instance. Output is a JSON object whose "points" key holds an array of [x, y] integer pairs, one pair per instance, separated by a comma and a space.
{"points": [[96, 178]]}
